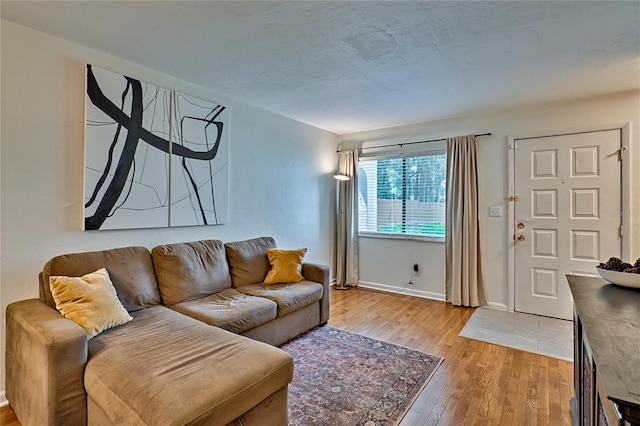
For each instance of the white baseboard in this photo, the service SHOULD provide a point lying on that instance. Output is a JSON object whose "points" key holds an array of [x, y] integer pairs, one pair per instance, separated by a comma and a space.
{"points": [[497, 306], [418, 293], [400, 290], [3, 399]]}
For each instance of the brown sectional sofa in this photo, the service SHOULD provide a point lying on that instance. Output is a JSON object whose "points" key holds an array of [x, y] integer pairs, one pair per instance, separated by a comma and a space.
{"points": [[184, 359]]}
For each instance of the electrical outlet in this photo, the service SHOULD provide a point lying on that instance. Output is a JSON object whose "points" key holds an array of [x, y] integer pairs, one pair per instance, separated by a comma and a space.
{"points": [[416, 270]]}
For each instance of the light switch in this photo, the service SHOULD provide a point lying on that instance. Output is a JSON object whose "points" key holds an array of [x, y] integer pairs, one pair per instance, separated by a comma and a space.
{"points": [[495, 211]]}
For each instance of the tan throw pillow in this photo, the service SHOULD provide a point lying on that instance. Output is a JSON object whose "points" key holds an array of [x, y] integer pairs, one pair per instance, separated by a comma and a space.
{"points": [[90, 301], [286, 266]]}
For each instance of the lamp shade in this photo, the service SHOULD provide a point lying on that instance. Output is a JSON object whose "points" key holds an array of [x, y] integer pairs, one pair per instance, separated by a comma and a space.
{"points": [[341, 177]]}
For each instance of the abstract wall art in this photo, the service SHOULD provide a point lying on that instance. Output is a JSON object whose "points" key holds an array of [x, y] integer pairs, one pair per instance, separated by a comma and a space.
{"points": [[199, 163], [153, 157]]}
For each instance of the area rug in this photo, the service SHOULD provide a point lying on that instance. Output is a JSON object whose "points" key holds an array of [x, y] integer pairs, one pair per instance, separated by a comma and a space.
{"points": [[345, 379], [530, 333]]}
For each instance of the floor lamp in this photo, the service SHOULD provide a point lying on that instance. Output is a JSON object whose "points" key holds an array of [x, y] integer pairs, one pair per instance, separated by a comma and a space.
{"points": [[339, 178]]}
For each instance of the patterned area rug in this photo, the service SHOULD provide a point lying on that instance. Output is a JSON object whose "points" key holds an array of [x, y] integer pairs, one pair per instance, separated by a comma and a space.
{"points": [[345, 379]]}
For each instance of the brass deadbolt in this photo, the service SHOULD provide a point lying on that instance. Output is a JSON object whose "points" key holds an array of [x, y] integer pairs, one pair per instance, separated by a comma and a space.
{"points": [[521, 225]]}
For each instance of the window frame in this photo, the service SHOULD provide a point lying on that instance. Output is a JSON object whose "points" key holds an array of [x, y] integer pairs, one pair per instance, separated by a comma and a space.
{"points": [[389, 155]]}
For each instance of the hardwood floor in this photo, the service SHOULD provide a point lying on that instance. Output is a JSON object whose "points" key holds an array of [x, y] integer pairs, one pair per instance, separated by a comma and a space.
{"points": [[8, 417], [477, 384]]}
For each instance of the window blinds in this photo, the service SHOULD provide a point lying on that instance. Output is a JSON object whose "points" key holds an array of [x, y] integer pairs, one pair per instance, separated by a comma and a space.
{"points": [[403, 195]]}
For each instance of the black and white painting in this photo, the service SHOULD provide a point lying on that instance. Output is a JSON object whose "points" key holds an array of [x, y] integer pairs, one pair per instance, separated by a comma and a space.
{"points": [[153, 157], [199, 182]]}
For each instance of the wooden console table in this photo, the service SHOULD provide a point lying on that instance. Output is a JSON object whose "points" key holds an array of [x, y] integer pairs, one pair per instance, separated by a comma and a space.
{"points": [[606, 330]]}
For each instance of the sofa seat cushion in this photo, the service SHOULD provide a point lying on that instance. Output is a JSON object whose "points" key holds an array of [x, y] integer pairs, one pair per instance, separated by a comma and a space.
{"points": [[166, 368], [231, 310], [289, 297]]}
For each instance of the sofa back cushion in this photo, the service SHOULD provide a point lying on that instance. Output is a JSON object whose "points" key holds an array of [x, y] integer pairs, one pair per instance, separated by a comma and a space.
{"points": [[188, 271], [130, 269], [248, 261]]}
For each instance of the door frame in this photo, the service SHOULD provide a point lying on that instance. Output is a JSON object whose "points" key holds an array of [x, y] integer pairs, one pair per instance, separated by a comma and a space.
{"points": [[625, 192]]}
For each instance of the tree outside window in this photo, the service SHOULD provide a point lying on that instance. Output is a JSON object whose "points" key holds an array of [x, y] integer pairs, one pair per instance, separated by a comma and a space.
{"points": [[403, 195]]}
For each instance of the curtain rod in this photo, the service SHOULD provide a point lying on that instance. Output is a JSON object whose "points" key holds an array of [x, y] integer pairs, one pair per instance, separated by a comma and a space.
{"points": [[411, 143]]}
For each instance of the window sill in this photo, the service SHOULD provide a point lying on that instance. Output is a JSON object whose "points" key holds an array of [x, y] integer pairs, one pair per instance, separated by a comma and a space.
{"points": [[401, 237]]}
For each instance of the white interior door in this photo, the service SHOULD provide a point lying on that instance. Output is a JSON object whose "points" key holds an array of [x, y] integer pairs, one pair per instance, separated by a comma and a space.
{"points": [[566, 216]]}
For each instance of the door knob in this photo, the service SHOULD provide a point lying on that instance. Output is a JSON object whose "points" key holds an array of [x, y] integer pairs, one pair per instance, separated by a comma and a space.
{"points": [[520, 237], [521, 225]]}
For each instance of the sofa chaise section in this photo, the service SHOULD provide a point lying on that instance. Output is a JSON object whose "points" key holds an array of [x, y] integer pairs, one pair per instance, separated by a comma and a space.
{"points": [[166, 368], [46, 353]]}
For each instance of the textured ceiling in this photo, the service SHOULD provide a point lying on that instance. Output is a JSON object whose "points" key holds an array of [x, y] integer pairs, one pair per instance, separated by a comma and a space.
{"points": [[351, 66]]}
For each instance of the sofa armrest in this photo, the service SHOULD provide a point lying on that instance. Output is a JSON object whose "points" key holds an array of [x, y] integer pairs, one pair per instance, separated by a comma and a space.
{"points": [[46, 356], [320, 274]]}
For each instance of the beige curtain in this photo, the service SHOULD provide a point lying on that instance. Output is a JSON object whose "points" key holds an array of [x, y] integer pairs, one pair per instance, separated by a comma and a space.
{"points": [[464, 286], [347, 274]]}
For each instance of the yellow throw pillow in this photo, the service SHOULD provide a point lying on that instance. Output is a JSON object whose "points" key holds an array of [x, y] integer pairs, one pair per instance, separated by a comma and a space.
{"points": [[90, 301], [286, 266]]}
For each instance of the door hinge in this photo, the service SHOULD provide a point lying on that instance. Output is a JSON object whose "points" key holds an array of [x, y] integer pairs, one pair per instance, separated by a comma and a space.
{"points": [[621, 153], [620, 232]]}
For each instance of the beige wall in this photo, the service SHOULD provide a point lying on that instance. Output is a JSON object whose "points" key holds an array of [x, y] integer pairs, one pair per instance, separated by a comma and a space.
{"points": [[387, 263], [280, 169]]}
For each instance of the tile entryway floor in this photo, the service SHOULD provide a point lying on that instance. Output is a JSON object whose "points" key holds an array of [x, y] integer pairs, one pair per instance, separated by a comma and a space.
{"points": [[532, 333]]}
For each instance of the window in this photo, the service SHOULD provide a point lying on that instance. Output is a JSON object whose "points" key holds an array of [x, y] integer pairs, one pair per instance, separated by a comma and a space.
{"points": [[403, 195]]}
